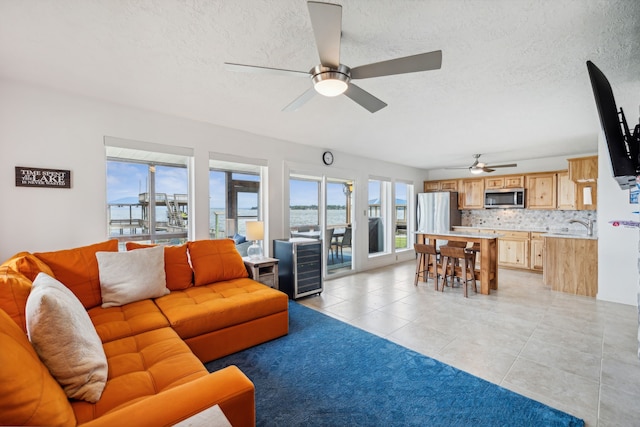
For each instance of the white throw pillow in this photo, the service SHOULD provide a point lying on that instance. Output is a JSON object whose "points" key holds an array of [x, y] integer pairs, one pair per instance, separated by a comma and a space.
{"points": [[65, 339], [131, 276]]}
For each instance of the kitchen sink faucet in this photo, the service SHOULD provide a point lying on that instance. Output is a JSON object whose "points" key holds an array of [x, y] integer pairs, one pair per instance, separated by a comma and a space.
{"points": [[588, 224]]}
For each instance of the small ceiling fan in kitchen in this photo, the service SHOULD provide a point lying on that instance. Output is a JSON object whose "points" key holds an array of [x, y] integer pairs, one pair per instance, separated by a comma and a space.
{"points": [[331, 77], [478, 167]]}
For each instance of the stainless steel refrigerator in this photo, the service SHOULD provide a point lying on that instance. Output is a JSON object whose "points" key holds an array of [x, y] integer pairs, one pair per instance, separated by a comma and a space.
{"points": [[437, 212]]}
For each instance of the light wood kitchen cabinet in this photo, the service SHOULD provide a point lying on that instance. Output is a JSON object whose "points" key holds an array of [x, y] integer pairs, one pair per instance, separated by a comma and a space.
{"points": [[505, 181], [583, 169], [515, 181], [536, 252], [571, 194], [471, 194], [494, 183], [449, 185], [541, 191], [571, 265], [431, 186], [592, 188], [442, 185], [566, 192], [513, 249]]}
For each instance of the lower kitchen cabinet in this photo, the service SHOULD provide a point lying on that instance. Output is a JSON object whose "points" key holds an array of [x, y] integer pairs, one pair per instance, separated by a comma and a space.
{"points": [[516, 249], [537, 251], [513, 249]]}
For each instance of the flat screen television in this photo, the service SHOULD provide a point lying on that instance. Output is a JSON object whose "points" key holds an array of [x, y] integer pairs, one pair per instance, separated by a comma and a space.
{"points": [[623, 145]]}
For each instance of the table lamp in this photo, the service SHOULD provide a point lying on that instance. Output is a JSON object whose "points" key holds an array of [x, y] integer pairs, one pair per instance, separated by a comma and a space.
{"points": [[255, 232]]}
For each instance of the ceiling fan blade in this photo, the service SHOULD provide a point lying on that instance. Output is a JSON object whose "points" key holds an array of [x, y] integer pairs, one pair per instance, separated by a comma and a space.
{"points": [[408, 64], [264, 70], [364, 98], [326, 20], [301, 100], [486, 169], [511, 165]]}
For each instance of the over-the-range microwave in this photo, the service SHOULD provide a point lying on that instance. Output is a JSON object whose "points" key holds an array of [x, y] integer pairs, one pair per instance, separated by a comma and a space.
{"points": [[504, 198]]}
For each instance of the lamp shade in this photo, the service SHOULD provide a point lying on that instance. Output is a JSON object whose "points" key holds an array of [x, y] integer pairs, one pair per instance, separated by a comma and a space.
{"points": [[255, 230]]}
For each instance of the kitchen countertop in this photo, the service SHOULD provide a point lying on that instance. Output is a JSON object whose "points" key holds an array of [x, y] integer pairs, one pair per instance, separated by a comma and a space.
{"points": [[556, 232], [463, 234], [567, 235]]}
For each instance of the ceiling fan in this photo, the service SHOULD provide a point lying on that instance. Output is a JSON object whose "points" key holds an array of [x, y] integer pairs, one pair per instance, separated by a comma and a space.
{"points": [[332, 78], [478, 167]]}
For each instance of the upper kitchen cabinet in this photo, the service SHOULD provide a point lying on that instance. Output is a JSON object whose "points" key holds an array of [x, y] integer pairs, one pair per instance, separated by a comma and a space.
{"points": [[583, 169], [506, 181], [586, 196], [566, 192], [541, 191], [583, 172], [431, 186], [471, 195], [443, 185]]}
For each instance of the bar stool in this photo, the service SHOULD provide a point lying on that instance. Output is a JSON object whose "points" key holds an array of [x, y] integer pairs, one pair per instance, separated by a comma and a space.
{"points": [[425, 252], [450, 256]]}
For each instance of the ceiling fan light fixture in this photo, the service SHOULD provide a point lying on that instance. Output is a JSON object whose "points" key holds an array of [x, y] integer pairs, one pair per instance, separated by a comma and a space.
{"points": [[475, 170], [330, 87], [330, 81]]}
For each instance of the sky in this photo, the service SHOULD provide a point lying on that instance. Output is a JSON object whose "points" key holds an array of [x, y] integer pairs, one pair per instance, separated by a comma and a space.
{"points": [[126, 180]]}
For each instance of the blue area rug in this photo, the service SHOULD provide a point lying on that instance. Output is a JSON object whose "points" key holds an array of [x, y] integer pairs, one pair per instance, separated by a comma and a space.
{"points": [[329, 373]]}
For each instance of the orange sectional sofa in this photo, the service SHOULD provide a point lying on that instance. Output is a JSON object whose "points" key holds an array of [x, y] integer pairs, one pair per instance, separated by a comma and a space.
{"points": [[154, 347]]}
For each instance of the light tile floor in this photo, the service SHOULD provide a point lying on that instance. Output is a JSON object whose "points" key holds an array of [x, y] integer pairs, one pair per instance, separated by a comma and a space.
{"points": [[573, 353]]}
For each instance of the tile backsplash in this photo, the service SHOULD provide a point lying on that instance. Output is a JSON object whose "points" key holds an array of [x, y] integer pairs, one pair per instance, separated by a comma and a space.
{"points": [[528, 219]]}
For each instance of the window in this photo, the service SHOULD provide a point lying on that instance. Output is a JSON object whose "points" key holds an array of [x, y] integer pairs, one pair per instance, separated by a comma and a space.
{"points": [[304, 199], [147, 191], [234, 195], [402, 203], [379, 215], [338, 231]]}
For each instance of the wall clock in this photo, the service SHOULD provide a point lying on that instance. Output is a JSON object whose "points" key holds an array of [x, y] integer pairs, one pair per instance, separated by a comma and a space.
{"points": [[327, 158]]}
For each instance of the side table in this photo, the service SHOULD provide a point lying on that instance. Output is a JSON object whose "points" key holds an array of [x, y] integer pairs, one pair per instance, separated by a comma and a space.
{"points": [[263, 270]]}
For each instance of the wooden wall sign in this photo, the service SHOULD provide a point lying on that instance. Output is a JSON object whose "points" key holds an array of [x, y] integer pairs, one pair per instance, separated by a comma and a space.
{"points": [[39, 177]]}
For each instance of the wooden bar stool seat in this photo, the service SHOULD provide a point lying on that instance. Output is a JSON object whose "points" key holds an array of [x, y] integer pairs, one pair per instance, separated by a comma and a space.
{"points": [[457, 262], [427, 261]]}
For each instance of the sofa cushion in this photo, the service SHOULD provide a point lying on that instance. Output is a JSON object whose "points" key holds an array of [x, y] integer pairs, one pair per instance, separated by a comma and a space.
{"points": [[239, 238], [28, 264], [30, 395], [215, 260], [125, 321], [131, 276], [140, 366], [78, 269], [14, 291], [202, 309], [64, 337], [176, 265]]}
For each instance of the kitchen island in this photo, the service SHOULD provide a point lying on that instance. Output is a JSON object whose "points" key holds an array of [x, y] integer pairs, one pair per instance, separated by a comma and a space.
{"points": [[571, 263], [488, 273]]}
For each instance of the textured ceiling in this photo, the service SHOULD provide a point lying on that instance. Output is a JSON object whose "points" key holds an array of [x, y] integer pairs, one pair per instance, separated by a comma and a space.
{"points": [[513, 83]]}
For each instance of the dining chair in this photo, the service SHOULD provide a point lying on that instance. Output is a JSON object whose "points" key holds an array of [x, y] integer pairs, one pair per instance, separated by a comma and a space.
{"points": [[458, 263], [425, 263], [328, 241], [345, 242]]}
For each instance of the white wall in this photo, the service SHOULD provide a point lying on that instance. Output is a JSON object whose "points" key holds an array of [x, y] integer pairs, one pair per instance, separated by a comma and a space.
{"points": [[44, 128], [617, 246]]}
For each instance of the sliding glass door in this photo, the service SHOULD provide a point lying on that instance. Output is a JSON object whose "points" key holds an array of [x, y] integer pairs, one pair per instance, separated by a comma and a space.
{"points": [[321, 208], [338, 230]]}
